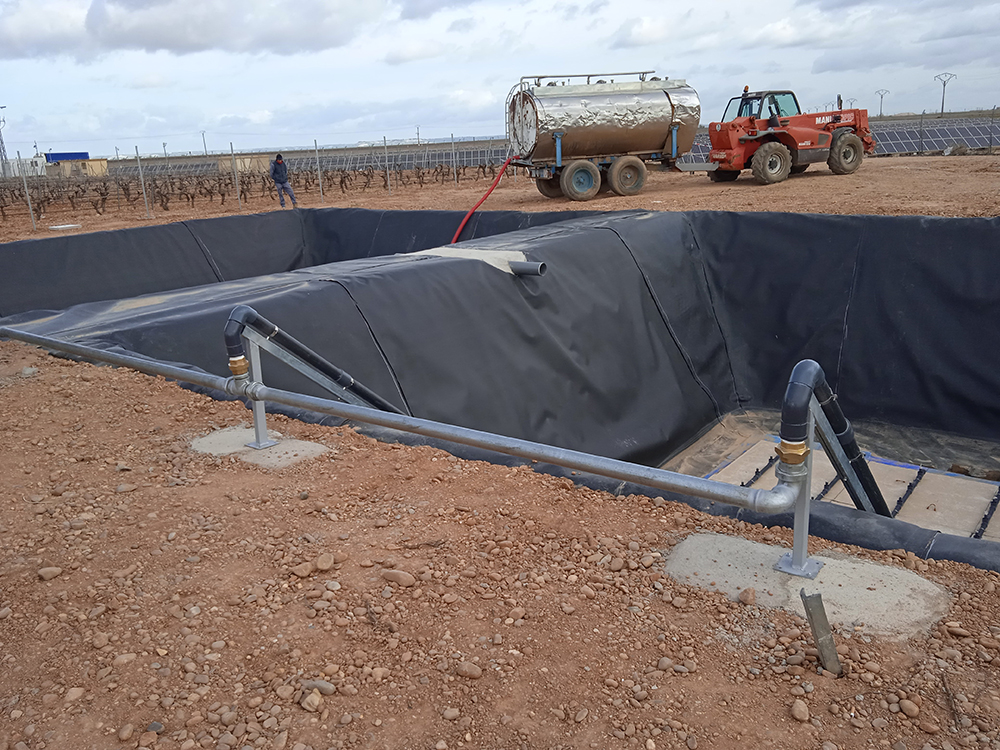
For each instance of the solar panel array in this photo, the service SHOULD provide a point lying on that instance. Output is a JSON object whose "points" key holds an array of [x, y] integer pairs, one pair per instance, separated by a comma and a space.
{"points": [[916, 136]]}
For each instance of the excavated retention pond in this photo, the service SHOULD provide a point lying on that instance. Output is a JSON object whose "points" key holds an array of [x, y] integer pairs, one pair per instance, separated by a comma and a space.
{"points": [[645, 331]]}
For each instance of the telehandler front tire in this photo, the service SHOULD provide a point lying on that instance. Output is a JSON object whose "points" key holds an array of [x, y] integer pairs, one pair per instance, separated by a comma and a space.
{"points": [[720, 175], [771, 163]]}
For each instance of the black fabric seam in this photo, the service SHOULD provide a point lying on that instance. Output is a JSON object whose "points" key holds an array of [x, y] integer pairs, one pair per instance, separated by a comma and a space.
{"points": [[371, 246], [850, 299], [670, 329], [206, 252], [378, 346], [715, 314]]}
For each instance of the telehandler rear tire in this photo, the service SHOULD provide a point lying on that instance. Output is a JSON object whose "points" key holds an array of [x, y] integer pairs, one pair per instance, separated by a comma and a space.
{"points": [[627, 175], [846, 153], [771, 163]]}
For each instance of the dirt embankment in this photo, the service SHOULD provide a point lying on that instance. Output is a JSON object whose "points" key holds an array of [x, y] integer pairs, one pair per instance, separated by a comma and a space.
{"points": [[390, 597]]}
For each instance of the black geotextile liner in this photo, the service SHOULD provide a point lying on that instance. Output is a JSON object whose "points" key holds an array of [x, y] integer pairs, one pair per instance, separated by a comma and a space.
{"points": [[901, 312], [580, 357], [646, 327], [55, 273]]}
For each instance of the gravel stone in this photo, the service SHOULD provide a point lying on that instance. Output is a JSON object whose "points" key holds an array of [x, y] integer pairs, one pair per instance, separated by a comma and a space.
{"points": [[399, 577], [800, 711]]}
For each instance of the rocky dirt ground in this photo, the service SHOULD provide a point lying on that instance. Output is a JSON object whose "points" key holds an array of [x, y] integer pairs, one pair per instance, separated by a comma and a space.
{"points": [[930, 185], [388, 597]]}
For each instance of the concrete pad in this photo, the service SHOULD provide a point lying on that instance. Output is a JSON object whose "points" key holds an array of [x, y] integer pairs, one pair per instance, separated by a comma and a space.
{"points": [[889, 601], [233, 441], [949, 503]]}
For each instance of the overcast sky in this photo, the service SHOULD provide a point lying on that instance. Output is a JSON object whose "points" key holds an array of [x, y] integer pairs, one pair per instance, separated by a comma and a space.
{"points": [[90, 75]]}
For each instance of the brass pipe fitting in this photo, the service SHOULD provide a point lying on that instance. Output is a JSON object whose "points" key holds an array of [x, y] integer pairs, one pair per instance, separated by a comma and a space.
{"points": [[792, 453], [239, 366]]}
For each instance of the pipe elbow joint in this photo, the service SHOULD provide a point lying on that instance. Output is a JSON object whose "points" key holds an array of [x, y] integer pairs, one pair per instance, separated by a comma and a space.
{"points": [[776, 500]]}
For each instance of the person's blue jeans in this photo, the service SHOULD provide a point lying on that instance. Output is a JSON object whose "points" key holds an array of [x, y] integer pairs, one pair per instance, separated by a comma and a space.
{"points": [[287, 188]]}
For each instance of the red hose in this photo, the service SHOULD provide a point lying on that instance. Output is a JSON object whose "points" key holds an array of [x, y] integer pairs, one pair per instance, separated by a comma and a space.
{"points": [[482, 200]]}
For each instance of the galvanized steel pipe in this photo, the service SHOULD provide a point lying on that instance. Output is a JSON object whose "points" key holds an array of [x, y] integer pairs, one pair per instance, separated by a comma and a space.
{"points": [[777, 500]]}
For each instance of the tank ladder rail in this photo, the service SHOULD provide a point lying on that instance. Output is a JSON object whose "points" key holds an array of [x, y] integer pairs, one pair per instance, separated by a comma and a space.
{"points": [[260, 333]]}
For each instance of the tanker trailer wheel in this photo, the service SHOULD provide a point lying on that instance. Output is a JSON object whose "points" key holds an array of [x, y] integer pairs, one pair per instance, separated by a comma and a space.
{"points": [[845, 154], [723, 175], [549, 188], [580, 180], [771, 163], [627, 175]]}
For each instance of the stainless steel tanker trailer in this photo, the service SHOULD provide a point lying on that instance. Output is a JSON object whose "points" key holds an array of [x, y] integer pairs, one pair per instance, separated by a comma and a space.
{"points": [[576, 137]]}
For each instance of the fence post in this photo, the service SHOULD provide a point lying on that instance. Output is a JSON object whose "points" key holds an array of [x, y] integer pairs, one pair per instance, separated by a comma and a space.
{"points": [[31, 211], [454, 159], [993, 118], [921, 149], [142, 181], [236, 177], [388, 179], [319, 171]]}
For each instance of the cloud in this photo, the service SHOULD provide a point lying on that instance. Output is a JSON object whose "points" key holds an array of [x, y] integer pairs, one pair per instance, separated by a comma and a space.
{"points": [[89, 28], [984, 24], [411, 52], [410, 9], [461, 25], [149, 81], [640, 32]]}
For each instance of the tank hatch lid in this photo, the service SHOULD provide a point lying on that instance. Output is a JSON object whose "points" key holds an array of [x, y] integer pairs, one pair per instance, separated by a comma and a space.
{"points": [[591, 89]]}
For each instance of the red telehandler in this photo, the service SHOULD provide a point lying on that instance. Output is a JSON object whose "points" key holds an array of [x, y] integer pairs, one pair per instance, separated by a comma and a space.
{"points": [[767, 133]]}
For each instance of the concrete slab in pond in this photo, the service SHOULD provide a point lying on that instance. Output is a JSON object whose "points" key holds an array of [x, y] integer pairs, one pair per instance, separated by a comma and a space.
{"points": [[233, 441], [949, 503], [889, 601]]}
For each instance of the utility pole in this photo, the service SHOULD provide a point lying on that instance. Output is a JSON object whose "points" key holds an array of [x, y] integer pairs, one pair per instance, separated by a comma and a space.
{"points": [[881, 95], [944, 78], [166, 158], [418, 135], [3, 149], [204, 142]]}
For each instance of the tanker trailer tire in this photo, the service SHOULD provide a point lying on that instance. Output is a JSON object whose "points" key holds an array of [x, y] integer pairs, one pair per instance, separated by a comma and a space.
{"points": [[580, 180], [605, 185], [771, 163], [549, 188], [846, 153], [724, 175], [627, 175]]}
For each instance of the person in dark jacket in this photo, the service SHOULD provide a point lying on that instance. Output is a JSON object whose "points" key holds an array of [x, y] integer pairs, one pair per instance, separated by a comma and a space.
{"points": [[279, 173]]}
